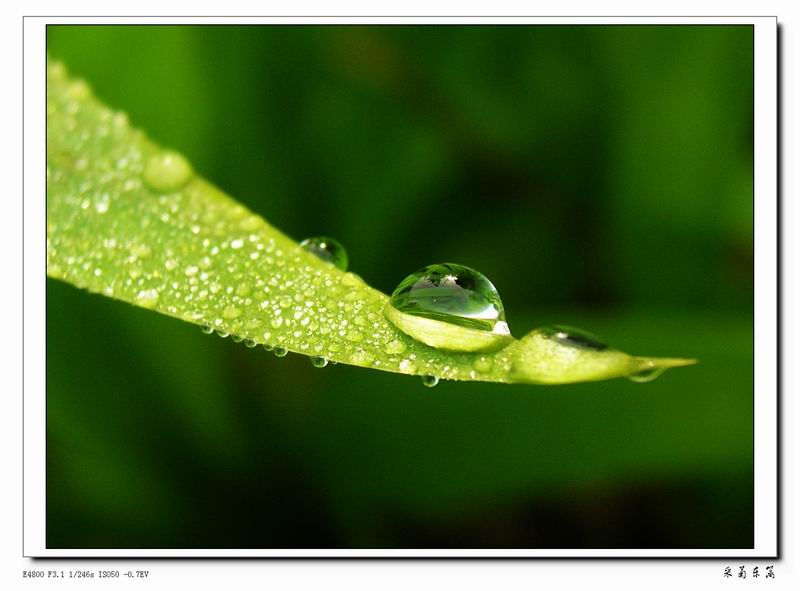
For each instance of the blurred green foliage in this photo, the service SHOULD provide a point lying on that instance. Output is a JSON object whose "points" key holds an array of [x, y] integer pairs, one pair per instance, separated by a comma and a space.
{"points": [[600, 176]]}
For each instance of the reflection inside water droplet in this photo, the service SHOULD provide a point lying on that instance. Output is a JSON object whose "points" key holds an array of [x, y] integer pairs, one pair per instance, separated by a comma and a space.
{"points": [[573, 337], [452, 293], [327, 249]]}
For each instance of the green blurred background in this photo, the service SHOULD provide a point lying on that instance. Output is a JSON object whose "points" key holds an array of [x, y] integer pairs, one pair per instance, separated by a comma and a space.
{"points": [[600, 176]]}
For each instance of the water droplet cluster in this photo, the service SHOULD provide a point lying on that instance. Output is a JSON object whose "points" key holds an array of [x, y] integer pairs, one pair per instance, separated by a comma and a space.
{"points": [[131, 221]]}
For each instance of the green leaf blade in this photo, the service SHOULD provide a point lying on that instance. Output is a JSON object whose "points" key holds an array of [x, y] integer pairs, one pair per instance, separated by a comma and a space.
{"points": [[197, 255], [131, 221]]}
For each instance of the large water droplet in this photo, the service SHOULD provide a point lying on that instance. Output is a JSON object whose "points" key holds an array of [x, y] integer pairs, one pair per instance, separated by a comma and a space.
{"points": [[452, 293], [574, 337], [327, 249], [450, 306], [430, 381], [167, 172]]}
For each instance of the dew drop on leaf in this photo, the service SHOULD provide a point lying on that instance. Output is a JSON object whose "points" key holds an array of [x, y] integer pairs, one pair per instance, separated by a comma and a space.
{"points": [[483, 364], [354, 336], [430, 381], [395, 347], [166, 172], [280, 351], [319, 361], [452, 293], [450, 306], [231, 312], [647, 375], [574, 337], [327, 249], [147, 298]]}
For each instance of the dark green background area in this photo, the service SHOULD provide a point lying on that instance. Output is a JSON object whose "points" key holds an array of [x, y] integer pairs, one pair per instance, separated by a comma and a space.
{"points": [[600, 176]]}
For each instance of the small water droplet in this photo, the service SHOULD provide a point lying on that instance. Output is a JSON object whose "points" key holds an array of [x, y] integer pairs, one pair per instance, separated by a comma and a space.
{"points": [[280, 351], [79, 89], [319, 361], [141, 251], [147, 298], [102, 203], [222, 333], [57, 71], [327, 249], [430, 381], [351, 280], [207, 329], [268, 347], [250, 343], [483, 364], [167, 172], [647, 375], [395, 347], [408, 365], [354, 336], [362, 358], [237, 338], [231, 312], [574, 337]]}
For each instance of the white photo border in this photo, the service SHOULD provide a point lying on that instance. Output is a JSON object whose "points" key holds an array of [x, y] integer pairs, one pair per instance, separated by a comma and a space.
{"points": [[765, 311]]}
